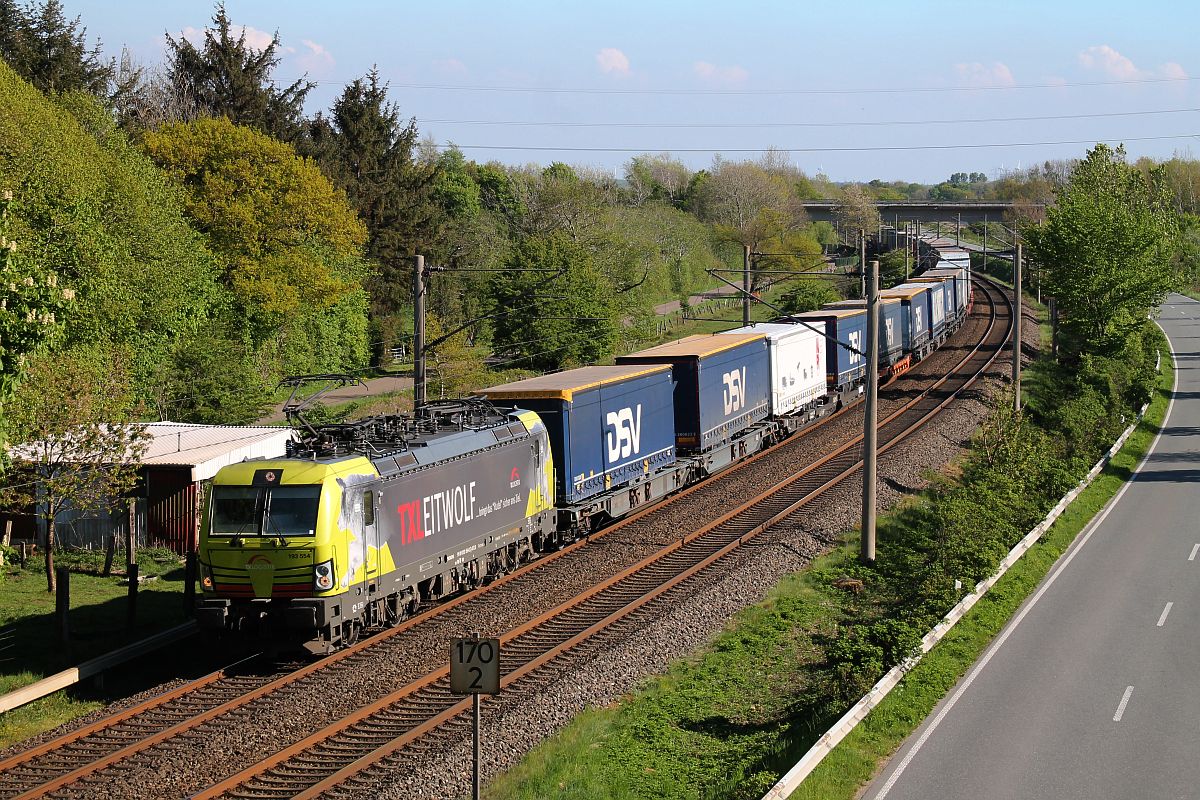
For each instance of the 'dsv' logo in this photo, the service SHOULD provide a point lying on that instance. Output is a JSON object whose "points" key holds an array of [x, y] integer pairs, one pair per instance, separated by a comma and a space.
{"points": [[625, 437]]}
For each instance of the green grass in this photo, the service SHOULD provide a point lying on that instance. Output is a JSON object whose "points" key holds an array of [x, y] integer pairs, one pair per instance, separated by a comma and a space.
{"points": [[98, 625], [728, 721], [704, 724]]}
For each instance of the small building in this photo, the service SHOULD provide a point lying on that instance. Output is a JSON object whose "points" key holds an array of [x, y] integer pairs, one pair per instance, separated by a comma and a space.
{"points": [[167, 501]]}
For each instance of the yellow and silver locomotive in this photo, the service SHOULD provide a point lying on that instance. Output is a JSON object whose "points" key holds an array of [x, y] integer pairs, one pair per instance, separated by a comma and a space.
{"points": [[362, 521]]}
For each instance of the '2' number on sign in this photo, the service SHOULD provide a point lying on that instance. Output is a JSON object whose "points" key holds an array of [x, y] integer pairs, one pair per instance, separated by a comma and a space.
{"points": [[475, 666]]}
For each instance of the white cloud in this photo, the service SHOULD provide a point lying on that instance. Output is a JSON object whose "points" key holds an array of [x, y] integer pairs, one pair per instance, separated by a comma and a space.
{"points": [[1118, 67], [451, 66], [255, 38], [1110, 62], [315, 58], [979, 75], [193, 35], [721, 75], [611, 59], [1172, 70]]}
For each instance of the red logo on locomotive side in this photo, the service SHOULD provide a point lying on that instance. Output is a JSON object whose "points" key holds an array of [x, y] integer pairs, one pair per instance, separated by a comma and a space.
{"points": [[410, 522]]}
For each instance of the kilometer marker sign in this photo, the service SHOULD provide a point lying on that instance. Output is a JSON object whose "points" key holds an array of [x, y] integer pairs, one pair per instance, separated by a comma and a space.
{"points": [[475, 666]]}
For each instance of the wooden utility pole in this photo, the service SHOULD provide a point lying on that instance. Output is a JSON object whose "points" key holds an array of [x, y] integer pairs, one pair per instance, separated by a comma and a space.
{"points": [[1016, 366], [745, 284], [418, 332], [870, 419], [131, 536]]}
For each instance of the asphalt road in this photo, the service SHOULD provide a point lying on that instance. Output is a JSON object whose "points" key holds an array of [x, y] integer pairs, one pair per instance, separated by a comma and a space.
{"points": [[1093, 691]]}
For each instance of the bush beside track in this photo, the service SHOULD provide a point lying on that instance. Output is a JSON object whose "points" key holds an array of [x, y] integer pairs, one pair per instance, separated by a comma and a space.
{"points": [[726, 724]]}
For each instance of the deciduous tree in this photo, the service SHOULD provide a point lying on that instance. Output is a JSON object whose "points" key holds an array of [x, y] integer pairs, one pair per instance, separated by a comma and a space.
{"points": [[76, 447], [856, 211], [1106, 246], [289, 237], [562, 314], [30, 298]]}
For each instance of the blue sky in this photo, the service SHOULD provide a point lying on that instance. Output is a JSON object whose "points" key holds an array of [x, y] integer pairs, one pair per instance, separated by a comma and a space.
{"points": [[695, 78]]}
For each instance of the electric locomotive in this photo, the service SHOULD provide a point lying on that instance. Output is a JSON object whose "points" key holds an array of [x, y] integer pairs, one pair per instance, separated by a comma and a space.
{"points": [[362, 521]]}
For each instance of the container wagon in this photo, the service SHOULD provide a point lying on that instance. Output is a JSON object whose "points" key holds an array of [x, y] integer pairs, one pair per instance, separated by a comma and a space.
{"points": [[916, 317], [845, 366], [892, 358], [797, 353], [722, 390], [612, 434]]}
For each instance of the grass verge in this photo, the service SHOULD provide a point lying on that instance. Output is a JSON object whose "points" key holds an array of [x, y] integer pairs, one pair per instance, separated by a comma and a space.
{"points": [[727, 722], [98, 624]]}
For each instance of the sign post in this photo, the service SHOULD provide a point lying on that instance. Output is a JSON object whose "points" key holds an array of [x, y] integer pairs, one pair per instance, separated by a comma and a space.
{"points": [[475, 670]]}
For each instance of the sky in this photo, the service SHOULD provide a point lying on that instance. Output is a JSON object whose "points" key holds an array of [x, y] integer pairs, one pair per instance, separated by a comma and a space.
{"points": [[908, 91]]}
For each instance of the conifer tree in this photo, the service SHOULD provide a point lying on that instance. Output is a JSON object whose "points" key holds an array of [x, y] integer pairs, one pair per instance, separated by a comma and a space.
{"points": [[51, 51], [228, 77], [369, 152]]}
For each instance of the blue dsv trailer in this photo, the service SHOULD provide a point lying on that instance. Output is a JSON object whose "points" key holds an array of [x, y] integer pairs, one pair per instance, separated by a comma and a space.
{"points": [[722, 385], [608, 426]]}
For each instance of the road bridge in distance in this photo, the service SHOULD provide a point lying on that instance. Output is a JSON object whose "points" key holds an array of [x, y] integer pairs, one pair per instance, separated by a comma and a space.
{"points": [[902, 211]]}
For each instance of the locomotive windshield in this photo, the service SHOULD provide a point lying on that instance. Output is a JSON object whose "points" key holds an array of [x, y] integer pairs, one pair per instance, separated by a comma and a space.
{"points": [[263, 511]]}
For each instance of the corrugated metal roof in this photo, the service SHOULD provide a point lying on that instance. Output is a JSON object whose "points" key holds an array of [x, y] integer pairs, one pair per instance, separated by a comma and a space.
{"points": [[562, 385], [202, 448], [698, 345], [207, 448]]}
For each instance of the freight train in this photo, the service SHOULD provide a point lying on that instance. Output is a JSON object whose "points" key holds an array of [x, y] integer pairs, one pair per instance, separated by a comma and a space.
{"points": [[362, 521]]}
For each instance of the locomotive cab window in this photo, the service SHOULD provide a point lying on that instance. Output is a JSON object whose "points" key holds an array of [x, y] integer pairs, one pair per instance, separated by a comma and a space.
{"points": [[292, 510], [262, 511], [235, 510], [368, 501]]}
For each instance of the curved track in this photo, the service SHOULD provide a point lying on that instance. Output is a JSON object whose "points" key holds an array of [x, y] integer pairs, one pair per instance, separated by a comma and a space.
{"points": [[423, 711]]}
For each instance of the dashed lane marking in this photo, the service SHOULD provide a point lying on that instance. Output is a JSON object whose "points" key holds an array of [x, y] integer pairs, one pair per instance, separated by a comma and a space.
{"points": [[1124, 702], [1163, 616]]}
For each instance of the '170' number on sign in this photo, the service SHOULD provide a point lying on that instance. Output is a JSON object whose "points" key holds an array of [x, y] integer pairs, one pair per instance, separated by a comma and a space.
{"points": [[475, 666]]}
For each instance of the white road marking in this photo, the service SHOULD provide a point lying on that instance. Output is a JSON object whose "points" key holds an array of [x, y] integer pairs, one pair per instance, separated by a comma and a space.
{"points": [[1078, 545], [1195, 549], [1163, 617], [1124, 702]]}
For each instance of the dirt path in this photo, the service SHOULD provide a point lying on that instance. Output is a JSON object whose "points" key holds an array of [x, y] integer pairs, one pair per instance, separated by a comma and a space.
{"points": [[374, 386]]}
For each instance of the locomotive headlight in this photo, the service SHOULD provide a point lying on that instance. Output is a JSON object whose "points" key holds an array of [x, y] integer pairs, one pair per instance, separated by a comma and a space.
{"points": [[323, 575]]}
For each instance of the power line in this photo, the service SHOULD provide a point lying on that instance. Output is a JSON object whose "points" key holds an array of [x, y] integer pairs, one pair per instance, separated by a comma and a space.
{"points": [[858, 124], [768, 92], [863, 149]]}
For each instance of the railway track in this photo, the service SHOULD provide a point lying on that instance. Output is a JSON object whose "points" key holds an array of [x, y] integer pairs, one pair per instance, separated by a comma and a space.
{"points": [[422, 713], [425, 714]]}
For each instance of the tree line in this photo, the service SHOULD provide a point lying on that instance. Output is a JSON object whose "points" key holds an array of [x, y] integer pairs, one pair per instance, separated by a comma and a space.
{"points": [[176, 238]]}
